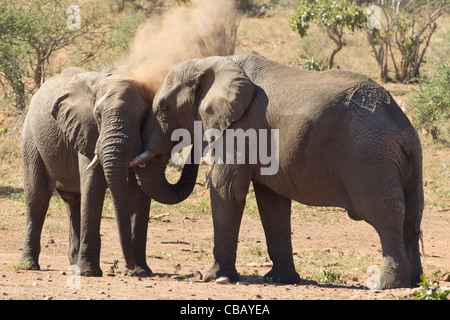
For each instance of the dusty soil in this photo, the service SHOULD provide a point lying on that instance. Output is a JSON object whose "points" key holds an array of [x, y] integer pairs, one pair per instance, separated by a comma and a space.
{"points": [[179, 245]]}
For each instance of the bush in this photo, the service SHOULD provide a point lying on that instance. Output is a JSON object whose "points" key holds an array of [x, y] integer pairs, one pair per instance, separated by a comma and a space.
{"points": [[430, 290], [431, 101]]}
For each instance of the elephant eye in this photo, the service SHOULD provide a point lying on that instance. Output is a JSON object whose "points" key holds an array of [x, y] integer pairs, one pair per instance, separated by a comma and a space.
{"points": [[97, 116]]}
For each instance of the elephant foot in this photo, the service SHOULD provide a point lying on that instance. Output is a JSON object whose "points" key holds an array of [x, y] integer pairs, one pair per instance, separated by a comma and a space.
{"points": [[138, 271], [86, 270], [216, 272], [390, 281], [282, 275]]}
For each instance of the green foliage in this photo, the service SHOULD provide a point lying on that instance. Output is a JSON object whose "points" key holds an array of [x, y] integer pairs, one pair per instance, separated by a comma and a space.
{"points": [[331, 277], [313, 64], [333, 15], [403, 36], [430, 290], [430, 103], [24, 265], [123, 31], [326, 13], [316, 64], [32, 30]]}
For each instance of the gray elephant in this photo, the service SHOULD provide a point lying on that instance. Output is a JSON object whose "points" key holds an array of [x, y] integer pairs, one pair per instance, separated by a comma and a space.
{"points": [[79, 137], [342, 141]]}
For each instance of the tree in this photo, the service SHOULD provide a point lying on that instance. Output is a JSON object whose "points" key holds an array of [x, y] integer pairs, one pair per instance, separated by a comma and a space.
{"points": [[405, 28], [32, 30], [12, 54], [333, 15]]}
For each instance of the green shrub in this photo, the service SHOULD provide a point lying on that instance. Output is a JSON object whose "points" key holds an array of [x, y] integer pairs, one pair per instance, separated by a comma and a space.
{"points": [[430, 290], [430, 103]]}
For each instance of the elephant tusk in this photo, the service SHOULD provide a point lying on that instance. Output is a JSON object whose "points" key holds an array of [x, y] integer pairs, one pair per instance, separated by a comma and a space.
{"points": [[93, 163], [143, 157]]}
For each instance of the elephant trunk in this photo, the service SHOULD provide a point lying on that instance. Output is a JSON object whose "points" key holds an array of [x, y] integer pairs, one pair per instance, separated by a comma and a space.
{"points": [[115, 162], [153, 181]]}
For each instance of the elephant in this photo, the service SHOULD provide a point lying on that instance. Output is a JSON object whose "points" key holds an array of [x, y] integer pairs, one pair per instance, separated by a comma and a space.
{"points": [[341, 141], [81, 132]]}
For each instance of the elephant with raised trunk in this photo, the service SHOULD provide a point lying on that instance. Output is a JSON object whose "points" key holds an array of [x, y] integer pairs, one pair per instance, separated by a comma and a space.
{"points": [[80, 135], [343, 141]]}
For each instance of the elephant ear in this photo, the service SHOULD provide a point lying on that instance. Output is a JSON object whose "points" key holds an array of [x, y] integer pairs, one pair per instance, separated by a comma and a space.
{"points": [[225, 92], [73, 112]]}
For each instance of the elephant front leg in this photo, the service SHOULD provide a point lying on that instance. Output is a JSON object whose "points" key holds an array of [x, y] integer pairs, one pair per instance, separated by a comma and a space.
{"points": [[140, 210], [93, 188], [228, 191], [72, 201], [275, 212]]}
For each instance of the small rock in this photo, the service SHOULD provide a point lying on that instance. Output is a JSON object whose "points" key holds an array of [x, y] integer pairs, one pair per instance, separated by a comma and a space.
{"points": [[101, 292], [34, 284], [446, 277], [254, 264], [49, 298], [63, 273], [223, 280]]}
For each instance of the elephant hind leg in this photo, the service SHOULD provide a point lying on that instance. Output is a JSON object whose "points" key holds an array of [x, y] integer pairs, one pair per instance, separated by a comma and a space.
{"points": [[38, 189], [388, 220], [412, 234]]}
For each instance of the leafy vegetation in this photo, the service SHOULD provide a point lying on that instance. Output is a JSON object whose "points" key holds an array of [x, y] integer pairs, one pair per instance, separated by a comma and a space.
{"points": [[334, 16], [430, 103], [401, 34], [430, 290], [24, 265], [31, 31]]}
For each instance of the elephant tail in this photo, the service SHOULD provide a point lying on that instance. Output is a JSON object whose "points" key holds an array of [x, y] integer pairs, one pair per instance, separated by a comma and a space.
{"points": [[413, 187]]}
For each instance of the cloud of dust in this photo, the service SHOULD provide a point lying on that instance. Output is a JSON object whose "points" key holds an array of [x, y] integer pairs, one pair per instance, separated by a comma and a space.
{"points": [[202, 28]]}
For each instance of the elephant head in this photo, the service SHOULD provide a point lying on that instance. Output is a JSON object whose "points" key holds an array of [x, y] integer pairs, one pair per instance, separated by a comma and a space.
{"points": [[214, 90]]}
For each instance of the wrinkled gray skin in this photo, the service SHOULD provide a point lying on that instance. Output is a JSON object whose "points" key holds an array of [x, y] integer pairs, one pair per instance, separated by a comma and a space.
{"points": [[75, 117], [343, 141]]}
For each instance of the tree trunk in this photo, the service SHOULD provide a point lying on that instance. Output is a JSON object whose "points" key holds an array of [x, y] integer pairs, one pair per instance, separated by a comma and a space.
{"points": [[38, 71]]}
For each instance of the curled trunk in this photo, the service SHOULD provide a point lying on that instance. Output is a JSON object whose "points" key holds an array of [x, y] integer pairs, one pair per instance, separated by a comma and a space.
{"points": [[153, 181]]}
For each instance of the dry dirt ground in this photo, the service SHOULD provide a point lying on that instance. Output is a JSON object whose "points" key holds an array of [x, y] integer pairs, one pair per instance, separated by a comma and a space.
{"points": [[325, 242]]}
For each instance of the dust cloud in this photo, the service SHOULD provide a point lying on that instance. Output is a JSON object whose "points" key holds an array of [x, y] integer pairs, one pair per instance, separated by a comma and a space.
{"points": [[202, 28]]}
